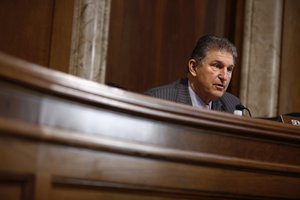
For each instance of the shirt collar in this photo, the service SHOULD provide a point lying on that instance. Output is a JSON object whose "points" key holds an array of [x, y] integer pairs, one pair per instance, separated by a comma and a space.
{"points": [[196, 100]]}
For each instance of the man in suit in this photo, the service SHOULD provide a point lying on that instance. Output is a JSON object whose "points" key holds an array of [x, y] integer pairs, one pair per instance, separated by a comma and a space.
{"points": [[210, 69]]}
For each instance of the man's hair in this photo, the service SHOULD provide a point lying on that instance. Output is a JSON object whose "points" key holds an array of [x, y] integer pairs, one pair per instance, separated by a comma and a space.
{"points": [[209, 42]]}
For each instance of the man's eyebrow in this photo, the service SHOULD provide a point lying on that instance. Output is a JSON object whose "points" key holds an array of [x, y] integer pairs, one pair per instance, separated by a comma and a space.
{"points": [[218, 61], [221, 62]]}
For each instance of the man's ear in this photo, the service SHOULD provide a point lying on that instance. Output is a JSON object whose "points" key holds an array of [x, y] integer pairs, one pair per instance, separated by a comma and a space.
{"points": [[192, 64]]}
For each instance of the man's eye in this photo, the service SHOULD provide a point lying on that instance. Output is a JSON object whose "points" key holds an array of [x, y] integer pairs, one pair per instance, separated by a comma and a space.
{"points": [[216, 65], [230, 69]]}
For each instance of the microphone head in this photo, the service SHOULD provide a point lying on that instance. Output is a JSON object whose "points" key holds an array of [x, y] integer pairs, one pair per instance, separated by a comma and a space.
{"points": [[240, 107], [238, 112]]}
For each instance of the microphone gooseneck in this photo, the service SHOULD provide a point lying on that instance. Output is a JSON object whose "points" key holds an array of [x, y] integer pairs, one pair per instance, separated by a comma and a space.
{"points": [[241, 108]]}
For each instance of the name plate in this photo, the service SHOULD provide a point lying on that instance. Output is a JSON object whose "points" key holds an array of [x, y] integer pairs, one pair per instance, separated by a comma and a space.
{"points": [[290, 119]]}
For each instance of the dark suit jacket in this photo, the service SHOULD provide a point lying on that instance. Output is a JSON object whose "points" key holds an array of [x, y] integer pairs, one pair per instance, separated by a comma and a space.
{"points": [[178, 92]]}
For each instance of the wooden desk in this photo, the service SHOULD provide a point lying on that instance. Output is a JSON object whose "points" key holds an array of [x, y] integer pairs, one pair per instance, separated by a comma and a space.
{"points": [[62, 137]]}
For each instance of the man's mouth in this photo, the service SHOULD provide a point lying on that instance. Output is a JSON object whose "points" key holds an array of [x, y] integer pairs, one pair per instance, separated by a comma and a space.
{"points": [[219, 86]]}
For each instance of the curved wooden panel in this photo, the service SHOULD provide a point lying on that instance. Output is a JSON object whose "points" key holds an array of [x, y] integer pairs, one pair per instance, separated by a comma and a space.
{"points": [[84, 140]]}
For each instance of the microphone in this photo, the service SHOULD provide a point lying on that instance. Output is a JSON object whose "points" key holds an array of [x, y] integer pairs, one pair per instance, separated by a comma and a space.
{"points": [[239, 110]]}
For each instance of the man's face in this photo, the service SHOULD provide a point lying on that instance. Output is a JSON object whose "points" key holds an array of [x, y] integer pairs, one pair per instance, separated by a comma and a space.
{"points": [[211, 77]]}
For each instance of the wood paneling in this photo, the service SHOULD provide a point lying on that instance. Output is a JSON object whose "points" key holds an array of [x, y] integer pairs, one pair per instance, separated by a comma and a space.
{"points": [[16, 186], [26, 29], [234, 29], [91, 141], [61, 37], [38, 31], [150, 42], [289, 93]]}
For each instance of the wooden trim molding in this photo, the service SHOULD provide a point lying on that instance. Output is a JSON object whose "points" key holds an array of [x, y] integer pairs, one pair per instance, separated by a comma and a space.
{"points": [[54, 135]]}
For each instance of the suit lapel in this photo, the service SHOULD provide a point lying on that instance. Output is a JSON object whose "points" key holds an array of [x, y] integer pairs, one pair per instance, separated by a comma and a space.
{"points": [[183, 92]]}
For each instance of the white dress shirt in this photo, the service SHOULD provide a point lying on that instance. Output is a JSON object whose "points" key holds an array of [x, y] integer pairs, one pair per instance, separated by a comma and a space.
{"points": [[197, 101]]}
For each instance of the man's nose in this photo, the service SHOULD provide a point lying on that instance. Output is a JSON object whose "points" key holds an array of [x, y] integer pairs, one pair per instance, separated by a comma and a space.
{"points": [[224, 75]]}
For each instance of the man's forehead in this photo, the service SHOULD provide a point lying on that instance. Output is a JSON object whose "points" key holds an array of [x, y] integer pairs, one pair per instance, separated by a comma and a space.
{"points": [[219, 55]]}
